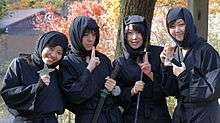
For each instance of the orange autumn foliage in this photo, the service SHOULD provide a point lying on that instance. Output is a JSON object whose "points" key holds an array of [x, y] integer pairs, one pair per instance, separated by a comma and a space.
{"points": [[54, 21], [107, 14], [172, 2]]}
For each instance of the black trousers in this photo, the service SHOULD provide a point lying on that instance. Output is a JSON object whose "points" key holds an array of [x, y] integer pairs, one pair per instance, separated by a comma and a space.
{"points": [[45, 118], [208, 112], [148, 113], [106, 116]]}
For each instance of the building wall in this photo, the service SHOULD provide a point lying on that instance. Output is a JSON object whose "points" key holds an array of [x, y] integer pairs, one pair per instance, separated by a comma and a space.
{"points": [[12, 45], [20, 37]]}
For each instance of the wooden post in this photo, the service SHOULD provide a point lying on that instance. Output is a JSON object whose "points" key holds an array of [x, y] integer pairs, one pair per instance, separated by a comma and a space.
{"points": [[199, 9]]}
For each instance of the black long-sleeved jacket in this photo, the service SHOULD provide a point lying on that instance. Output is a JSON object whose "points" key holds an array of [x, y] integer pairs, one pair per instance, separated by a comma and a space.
{"points": [[153, 107], [24, 93], [81, 87], [79, 84], [152, 101], [199, 82], [197, 87]]}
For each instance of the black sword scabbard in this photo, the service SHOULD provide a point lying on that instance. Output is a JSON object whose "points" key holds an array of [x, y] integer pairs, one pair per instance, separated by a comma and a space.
{"points": [[104, 93]]}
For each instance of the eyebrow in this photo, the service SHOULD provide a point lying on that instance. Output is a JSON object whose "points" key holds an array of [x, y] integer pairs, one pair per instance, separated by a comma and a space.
{"points": [[88, 31], [60, 49], [180, 21]]}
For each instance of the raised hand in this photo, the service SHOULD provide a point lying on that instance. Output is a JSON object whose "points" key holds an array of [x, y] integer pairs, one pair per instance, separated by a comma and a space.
{"points": [[163, 56], [93, 52], [44, 74], [145, 66], [146, 57], [45, 70], [167, 54], [46, 79], [93, 62]]}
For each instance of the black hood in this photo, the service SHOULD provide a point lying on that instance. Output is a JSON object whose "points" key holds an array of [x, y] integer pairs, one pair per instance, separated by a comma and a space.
{"points": [[50, 37], [127, 50], [77, 29], [190, 32]]}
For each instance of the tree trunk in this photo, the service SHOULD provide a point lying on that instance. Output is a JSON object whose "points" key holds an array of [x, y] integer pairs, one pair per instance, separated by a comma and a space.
{"points": [[143, 8], [199, 9], [64, 9]]}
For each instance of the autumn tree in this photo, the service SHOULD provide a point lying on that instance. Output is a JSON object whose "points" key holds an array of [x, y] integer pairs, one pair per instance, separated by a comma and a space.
{"points": [[65, 6], [98, 11], [115, 10], [143, 8]]}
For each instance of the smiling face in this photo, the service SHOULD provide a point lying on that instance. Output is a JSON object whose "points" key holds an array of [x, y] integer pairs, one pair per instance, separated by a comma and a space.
{"points": [[177, 29], [135, 38], [88, 39], [52, 55]]}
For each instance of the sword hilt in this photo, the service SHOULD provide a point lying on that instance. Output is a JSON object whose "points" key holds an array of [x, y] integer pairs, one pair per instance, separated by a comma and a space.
{"points": [[104, 93]]}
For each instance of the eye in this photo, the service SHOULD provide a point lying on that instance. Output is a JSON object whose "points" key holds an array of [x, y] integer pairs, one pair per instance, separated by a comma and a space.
{"points": [[52, 48], [137, 32], [93, 33], [130, 31], [85, 34], [60, 53], [172, 26]]}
